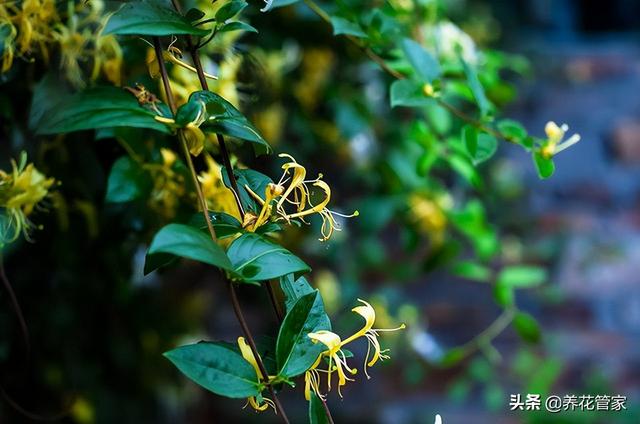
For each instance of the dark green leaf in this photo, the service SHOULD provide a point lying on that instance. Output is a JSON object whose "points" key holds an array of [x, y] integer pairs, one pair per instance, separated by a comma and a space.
{"points": [[425, 65], [522, 276], [194, 14], [217, 368], [477, 89], [127, 181], [255, 258], [150, 18], [406, 92], [344, 26], [255, 180], [230, 10], [294, 289], [295, 351], [470, 137], [189, 242], [224, 224], [100, 107], [527, 327], [236, 26], [317, 414], [223, 118], [544, 166]]}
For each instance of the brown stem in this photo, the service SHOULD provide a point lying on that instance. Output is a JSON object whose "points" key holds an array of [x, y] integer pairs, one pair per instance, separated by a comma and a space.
{"points": [[326, 410], [157, 46], [277, 308], [234, 300], [16, 306], [254, 349]]}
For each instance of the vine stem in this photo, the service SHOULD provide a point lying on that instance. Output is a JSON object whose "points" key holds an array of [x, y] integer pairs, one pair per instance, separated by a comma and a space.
{"points": [[397, 75], [16, 306], [489, 333], [234, 298], [226, 161]]}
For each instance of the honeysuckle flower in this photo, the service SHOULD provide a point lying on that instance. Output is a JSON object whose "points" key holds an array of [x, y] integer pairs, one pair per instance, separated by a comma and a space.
{"points": [[335, 354], [21, 191], [247, 354], [555, 136], [438, 419], [367, 312], [337, 361], [297, 194]]}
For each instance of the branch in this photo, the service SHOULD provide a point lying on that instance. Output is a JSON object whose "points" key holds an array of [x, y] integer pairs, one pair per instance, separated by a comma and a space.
{"points": [[397, 75]]}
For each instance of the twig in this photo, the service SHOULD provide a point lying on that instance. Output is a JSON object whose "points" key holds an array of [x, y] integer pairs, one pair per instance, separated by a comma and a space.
{"points": [[236, 306], [254, 349], [397, 75], [16, 306]]}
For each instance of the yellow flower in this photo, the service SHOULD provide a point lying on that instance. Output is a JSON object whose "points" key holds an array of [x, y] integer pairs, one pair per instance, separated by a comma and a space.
{"points": [[296, 193], [168, 185], [20, 192], [427, 213], [337, 357], [247, 354], [554, 143]]}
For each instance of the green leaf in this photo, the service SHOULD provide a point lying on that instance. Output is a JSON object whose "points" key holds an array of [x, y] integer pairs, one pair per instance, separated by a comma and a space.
{"points": [[461, 164], [237, 26], [194, 14], [512, 130], [295, 351], [527, 327], [230, 10], [255, 180], [224, 224], [477, 89], [317, 414], [346, 27], [223, 118], [472, 271], [127, 181], [188, 242], [486, 147], [255, 258], [544, 166], [150, 18], [522, 276], [470, 137], [294, 289], [100, 107], [453, 357], [503, 294], [282, 3], [216, 367], [406, 92], [425, 65]]}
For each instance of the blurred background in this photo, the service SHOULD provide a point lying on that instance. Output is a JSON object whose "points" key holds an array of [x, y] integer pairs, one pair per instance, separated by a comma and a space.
{"points": [[98, 327]]}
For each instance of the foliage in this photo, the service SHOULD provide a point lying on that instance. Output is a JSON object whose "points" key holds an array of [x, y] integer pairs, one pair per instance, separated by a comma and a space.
{"points": [[406, 137]]}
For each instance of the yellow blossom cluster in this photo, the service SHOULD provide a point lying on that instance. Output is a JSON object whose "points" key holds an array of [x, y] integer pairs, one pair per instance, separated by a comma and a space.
{"points": [[31, 28], [21, 191], [280, 196]]}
